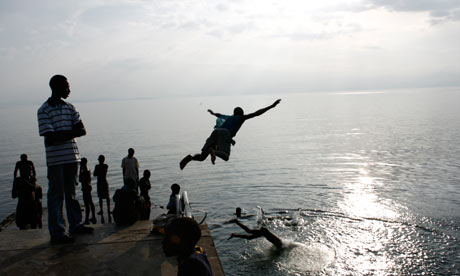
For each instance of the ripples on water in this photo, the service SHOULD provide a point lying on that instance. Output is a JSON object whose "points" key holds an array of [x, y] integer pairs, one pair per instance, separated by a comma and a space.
{"points": [[330, 243], [375, 175]]}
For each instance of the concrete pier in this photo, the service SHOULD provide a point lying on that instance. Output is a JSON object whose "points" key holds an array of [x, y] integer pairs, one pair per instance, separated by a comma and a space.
{"points": [[110, 250]]}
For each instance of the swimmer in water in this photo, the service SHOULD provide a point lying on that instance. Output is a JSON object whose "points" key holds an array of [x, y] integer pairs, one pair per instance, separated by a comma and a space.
{"points": [[240, 214], [257, 233]]}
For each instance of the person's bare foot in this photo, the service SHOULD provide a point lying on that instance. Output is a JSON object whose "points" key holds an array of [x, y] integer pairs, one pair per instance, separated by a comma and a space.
{"points": [[185, 161], [212, 152]]}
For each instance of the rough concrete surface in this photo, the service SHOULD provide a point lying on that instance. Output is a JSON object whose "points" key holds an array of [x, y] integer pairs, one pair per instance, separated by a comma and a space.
{"points": [[110, 250]]}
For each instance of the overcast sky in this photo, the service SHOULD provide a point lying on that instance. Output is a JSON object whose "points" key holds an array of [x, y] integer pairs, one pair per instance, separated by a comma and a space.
{"points": [[130, 49]]}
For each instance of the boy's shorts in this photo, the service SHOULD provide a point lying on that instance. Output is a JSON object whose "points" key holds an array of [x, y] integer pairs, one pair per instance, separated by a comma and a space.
{"points": [[219, 138]]}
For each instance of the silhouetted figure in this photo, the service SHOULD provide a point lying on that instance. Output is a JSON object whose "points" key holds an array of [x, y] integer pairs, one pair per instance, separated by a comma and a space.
{"points": [[145, 186], [59, 122], [28, 210], [130, 167], [85, 180], [257, 233], [127, 204], [181, 237], [240, 214], [100, 171], [172, 204], [218, 143]]}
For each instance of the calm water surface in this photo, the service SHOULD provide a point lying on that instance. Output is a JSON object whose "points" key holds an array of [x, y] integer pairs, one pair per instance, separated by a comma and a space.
{"points": [[375, 175]]}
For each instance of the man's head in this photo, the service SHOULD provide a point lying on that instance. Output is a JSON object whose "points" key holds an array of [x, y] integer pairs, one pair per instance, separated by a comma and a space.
{"points": [[59, 86], [130, 152], [238, 111], [175, 188], [238, 212], [101, 159], [23, 157], [181, 236]]}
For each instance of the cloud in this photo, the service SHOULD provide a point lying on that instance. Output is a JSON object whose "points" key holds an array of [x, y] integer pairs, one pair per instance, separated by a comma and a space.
{"points": [[112, 16], [440, 10]]}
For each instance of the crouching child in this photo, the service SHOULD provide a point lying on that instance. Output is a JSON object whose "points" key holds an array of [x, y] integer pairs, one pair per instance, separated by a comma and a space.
{"points": [[181, 237], [127, 204]]}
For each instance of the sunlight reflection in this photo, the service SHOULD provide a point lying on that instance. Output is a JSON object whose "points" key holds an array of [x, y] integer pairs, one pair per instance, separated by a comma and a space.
{"points": [[361, 199], [365, 243]]}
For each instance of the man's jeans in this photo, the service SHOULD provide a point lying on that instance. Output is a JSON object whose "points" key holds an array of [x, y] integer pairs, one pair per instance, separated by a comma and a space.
{"points": [[62, 181]]}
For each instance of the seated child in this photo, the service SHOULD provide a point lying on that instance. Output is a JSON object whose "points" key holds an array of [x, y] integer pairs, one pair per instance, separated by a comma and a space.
{"points": [[172, 204], [127, 204]]}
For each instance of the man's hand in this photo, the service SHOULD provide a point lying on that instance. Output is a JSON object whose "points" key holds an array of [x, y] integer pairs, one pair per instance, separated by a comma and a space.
{"points": [[276, 103]]}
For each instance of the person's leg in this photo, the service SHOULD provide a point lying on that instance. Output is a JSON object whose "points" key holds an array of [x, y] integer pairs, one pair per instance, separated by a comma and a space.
{"points": [[224, 141], [210, 142], [85, 200], [93, 210], [201, 156], [71, 203], [101, 205], [55, 198], [108, 209]]}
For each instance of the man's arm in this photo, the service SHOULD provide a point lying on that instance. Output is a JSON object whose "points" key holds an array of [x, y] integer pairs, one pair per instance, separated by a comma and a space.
{"points": [[78, 130], [242, 236], [262, 111], [215, 114], [16, 168], [34, 174]]}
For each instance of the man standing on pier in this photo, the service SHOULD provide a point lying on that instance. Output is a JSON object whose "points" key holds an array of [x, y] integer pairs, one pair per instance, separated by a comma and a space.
{"points": [[59, 122]]}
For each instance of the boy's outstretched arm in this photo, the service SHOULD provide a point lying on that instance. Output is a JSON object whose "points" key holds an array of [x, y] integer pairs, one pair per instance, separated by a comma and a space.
{"points": [[215, 114], [262, 111], [242, 236]]}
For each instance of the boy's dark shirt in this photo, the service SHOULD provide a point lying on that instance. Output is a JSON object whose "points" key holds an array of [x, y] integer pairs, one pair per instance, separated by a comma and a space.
{"points": [[233, 124], [144, 186], [196, 264], [85, 180], [101, 172], [25, 168]]}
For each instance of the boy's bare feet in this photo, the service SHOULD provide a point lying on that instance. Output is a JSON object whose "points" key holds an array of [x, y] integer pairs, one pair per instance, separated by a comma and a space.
{"points": [[185, 161], [212, 152]]}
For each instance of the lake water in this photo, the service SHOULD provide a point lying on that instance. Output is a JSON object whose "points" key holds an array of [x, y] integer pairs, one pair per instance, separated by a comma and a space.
{"points": [[375, 175]]}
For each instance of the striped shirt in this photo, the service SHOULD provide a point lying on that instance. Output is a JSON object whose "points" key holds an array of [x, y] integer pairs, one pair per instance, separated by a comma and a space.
{"points": [[61, 117]]}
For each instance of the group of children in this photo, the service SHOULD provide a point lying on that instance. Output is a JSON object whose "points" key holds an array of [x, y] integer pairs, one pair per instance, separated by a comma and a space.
{"points": [[129, 204], [100, 171]]}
